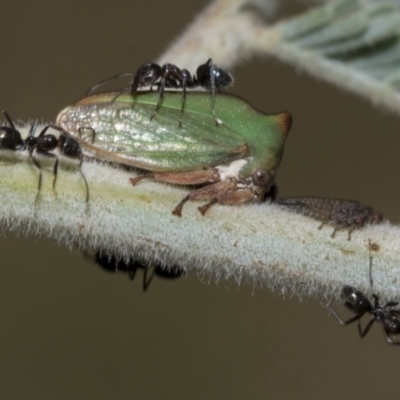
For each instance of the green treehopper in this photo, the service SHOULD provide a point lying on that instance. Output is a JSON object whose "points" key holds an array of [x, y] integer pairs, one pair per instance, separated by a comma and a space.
{"points": [[234, 162]]}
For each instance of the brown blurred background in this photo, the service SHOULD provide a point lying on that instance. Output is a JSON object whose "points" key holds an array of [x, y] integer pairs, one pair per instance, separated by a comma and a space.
{"points": [[71, 331]]}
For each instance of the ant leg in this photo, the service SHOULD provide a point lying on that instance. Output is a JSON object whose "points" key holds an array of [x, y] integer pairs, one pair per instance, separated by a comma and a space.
{"points": [[127, 89], [389, 339], [335, 229], [321, 226], [93, 132], [39, 167], [160, 96], [367, 328], [32, 130], [339, 318], [55, 168], [55, 171], [212, 82], [370, 267], [8, 118], [183, 100], [84, 178], [146, 282]]}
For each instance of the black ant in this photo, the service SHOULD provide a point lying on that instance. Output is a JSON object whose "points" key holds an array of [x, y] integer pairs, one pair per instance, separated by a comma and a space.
{"points": [[110, 263], [11, 139], [208, 76], [358, 303]]}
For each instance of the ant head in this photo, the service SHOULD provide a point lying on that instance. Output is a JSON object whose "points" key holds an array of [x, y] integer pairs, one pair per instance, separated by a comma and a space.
{"points": [[222, 78], [146, 75]]}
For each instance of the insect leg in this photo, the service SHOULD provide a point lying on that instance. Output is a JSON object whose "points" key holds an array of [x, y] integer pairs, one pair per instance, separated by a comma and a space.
{"points": [[389, 339], [84, 178], [181, 178], [349, 232], [160, 96], [367, 328], [230, 198], [210, 192], [212, 84], [39, 167], [146, 282], [8, 118], [120, 93], [183, 99], [55, 168], [87, 128], [339, 318]]}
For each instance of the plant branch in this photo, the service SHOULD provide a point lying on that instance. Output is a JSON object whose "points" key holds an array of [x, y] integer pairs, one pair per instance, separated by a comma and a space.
{"points": [[260, 244]]}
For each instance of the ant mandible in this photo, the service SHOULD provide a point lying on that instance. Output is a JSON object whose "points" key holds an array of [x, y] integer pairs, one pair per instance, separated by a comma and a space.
{"points": [[11, 139], [208, 76], [357, 302]]}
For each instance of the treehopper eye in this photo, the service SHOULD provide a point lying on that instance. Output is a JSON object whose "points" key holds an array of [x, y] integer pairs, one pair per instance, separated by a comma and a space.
{"points": [[235, 162]]}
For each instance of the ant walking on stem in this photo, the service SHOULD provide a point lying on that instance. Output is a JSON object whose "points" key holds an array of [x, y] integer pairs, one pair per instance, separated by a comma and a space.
{"points": [[357, 302], [11, 139], [112, 264]]}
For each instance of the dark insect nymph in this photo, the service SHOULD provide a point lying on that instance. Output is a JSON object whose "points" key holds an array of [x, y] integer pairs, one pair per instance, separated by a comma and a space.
{"points": [[11, 139], [357, 302], [111, 264], [342, 214], [208, 76]]}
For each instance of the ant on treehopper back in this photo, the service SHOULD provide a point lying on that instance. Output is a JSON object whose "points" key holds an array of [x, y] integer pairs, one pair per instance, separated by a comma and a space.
{"points": [[208, 76]]}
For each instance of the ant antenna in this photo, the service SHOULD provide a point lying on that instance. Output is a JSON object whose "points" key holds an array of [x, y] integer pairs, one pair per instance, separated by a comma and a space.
{"points": [[370, 263]]}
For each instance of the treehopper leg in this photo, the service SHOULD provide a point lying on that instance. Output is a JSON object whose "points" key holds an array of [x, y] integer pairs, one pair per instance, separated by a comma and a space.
{"points": [[230, 198], [210, 192], [181, 178]]}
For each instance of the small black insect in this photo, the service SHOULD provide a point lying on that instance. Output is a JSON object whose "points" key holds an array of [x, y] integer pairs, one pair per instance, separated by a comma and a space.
{"points": [[110, 263], [208, 76], [11, 139], [342, 214], [359, 304]]}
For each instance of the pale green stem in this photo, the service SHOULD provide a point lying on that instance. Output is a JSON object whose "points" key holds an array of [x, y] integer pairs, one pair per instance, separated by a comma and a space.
{"points": [[260, 244]]}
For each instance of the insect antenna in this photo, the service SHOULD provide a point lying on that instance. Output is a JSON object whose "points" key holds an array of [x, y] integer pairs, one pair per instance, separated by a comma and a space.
{"points": [[108, 80]]}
